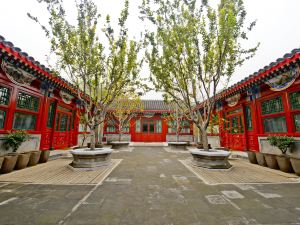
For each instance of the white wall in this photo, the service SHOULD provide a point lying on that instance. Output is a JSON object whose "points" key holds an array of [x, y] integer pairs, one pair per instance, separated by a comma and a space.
{"points": [[33, 144]]}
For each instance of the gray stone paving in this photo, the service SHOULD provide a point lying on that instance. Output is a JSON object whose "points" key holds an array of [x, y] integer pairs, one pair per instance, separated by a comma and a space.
{"points": [[150, 187]]}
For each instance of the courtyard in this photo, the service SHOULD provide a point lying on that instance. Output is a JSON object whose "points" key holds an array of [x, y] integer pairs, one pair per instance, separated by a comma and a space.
{"points": [[149, 185]]}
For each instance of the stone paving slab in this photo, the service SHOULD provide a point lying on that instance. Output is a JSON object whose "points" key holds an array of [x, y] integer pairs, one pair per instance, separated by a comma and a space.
{"points": [[168, 149], [58, 172], [240, 172]]}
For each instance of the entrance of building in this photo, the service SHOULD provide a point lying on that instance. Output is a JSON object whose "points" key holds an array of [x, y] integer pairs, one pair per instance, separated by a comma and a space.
{"points": [[234, 133], [149, 130]]}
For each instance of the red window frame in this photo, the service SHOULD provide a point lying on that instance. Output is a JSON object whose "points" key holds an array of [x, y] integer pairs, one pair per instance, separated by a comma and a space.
{"points": [[26, 111], [7, 107]]}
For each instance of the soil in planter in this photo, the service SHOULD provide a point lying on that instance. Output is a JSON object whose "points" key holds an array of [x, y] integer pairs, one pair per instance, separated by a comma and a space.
{"points": [[271, 161], [9, 163], [284, 164], [22, 161], [296, 165]]}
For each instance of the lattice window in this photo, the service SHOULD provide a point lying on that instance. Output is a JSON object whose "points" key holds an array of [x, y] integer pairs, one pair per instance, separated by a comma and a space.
{"points": [[4, 95], [248, 118], [24, 121], [158, 126], [2, 118], [63, 123], [185, 127], [172, 126], [297, 122], [295, 100], [272, 106], [111, 126], [235, 125], [29, 102], [57, 121], [138, 126], [275, 124], [51, 114]]}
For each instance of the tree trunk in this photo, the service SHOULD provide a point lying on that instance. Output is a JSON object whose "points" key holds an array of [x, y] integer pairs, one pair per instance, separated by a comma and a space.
{"points": [[97, 134], [101, 129], [204, 140], [120, 136], [177, 136], [93, 139]]}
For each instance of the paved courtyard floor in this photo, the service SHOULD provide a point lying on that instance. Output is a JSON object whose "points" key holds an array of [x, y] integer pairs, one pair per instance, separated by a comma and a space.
{"points": [[151, 186]]}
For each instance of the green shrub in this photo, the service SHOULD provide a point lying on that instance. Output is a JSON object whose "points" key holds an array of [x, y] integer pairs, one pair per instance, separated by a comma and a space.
{"points": [[281, 142], [15, 139]]}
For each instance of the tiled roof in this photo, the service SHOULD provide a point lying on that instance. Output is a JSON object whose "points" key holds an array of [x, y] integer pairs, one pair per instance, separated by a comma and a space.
{"points": [[272, 70], [12, 53], [156, 105]]}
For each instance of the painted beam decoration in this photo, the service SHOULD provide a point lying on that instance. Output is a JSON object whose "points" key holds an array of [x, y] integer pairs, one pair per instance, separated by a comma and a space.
{"points": [[67, 98], [284, 80], [233, 101], [17, 75]]}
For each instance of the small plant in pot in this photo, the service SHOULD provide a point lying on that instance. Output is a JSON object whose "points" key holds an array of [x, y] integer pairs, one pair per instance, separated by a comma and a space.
{"points": [[283, 143], [13, 141]]}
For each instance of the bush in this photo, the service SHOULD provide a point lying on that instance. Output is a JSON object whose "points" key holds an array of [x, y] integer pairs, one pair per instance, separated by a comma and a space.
{"points": [[281, 142], [15, 139]]}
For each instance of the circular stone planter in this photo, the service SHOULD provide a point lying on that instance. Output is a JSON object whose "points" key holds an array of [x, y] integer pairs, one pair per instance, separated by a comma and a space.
{"points": [[252, 157], [91, 159], [260, 159], [119, 144], [271, 161], [296, 165], [178, 145], [214, 159], [284, 163], [34, 158], [22, 161]]}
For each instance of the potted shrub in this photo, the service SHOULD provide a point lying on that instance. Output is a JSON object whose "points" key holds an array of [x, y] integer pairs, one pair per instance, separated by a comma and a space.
{"points": [[283, 143], [13, 141]]}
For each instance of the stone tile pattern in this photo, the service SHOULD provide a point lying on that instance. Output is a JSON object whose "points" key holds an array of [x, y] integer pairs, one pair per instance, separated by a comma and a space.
{"points": [[241, 172], [58, 172]]}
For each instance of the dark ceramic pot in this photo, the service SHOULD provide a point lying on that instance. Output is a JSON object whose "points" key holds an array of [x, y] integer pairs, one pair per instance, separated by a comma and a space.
{"points": [[34, 158], [260, 159], [44, 156], [9, 162], [296, 165], [271, 161], [284, 163], [252, 157], [22, 161]]}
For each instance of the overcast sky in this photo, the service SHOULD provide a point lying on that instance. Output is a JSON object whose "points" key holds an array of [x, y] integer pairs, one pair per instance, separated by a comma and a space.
{"points": [[277, 28]]}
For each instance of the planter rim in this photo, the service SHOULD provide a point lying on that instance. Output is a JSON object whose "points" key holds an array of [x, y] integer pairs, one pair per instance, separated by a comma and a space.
{"points": [[178, 143], [119, 142], [209, 153], [87, 151]]}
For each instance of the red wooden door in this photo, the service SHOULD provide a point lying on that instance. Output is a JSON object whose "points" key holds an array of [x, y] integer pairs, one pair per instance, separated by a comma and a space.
{"points": [[62, 135], [47, 133], [149, 130], [235, 135]]}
